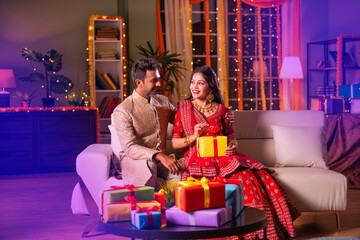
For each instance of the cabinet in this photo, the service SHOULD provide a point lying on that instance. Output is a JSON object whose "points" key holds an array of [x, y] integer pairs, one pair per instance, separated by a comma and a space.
{"points": [[44, 141], [323, 73], [106, 56]]}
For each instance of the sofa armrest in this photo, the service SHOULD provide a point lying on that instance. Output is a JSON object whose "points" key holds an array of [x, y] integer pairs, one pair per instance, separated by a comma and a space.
{"points": [[93, 166]]}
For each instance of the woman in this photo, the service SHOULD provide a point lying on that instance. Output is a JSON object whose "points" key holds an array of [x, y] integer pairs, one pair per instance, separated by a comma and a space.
{"points": [[203, 112]]}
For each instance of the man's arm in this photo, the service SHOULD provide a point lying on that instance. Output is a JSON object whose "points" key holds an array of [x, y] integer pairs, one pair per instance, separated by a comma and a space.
{"points": [[127, 138]]}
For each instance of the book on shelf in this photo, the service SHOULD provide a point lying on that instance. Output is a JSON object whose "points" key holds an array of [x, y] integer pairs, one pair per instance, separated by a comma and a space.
{"points": [[110, 55], [103, 80], [99, 82], [108, 77], [112, 79], [106, 34], [107, 106]]}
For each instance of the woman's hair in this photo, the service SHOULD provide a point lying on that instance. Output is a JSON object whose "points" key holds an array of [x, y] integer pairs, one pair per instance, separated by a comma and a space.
{"points": [[210, 77]]}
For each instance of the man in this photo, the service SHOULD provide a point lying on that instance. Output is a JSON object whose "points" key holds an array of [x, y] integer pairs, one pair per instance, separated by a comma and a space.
{"points": [[137, 124]]}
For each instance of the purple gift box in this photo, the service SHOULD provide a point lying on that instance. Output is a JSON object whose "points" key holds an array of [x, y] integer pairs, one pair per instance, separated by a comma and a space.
{"points": [[206, 217]]}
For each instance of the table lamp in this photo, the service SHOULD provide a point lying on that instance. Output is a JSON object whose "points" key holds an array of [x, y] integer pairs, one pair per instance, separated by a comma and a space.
{"points": [[7, 80], [291, 69]]}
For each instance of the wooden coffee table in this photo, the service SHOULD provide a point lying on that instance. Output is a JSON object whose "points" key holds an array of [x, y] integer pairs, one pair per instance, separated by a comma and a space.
{"points": [[249, 220]]}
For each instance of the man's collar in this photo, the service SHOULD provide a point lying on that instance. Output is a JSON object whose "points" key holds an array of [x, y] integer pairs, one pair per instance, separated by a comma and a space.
{"points": [[140, 98]]}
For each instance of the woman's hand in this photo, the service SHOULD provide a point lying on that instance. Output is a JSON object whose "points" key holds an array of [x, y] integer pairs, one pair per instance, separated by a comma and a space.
{"points": [[199, 128], [230, 150]]}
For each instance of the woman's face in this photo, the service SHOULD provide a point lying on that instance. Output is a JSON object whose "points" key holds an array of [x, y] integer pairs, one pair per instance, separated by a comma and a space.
{"points": [[199, 87]]}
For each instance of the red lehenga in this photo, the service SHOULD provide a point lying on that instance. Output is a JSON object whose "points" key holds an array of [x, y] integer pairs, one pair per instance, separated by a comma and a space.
{"points": [[261, 190]]}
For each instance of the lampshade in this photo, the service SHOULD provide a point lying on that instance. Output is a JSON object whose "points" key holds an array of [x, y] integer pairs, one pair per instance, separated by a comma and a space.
{"points": [[7, 78], [291, 68]]}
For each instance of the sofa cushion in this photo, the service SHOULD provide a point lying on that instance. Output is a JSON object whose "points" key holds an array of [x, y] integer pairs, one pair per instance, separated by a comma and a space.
{"points": [[300, 146], [313, 189]]}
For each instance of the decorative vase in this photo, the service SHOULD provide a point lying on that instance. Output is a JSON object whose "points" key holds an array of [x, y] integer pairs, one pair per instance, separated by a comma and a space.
{"points": [[48, 102], [25, 104]]}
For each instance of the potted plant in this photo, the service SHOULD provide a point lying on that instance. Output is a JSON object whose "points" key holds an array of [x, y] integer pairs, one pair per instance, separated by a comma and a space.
{"points": [[169, 192], [78, 98], [170, 69], [52, 63], [25, 98]]}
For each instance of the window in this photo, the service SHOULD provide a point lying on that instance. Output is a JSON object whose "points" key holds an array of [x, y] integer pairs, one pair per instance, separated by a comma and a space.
{"points": [[251, 82]]}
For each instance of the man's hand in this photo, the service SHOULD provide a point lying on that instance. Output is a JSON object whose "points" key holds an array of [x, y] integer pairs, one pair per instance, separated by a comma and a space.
{"points": [[170, 163], [229, 116]]}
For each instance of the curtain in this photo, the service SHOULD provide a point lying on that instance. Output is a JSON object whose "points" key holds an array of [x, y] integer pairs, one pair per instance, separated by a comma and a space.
{"points": [[264, 3], [290, 21], [178, 40]]}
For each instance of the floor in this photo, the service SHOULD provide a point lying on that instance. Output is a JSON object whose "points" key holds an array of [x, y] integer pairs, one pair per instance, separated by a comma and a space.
{"points": [[37, 206]]}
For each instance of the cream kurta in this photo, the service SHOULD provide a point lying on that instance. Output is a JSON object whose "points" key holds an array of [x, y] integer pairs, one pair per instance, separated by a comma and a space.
{"points": [[138, 127]]}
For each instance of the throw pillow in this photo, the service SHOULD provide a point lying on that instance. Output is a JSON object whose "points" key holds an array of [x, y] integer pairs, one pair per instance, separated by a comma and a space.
{"points": [[115, 144], [297, 146]]}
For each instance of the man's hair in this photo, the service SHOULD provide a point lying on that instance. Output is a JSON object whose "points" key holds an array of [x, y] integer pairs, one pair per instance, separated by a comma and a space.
{"points": [[138, 70]]}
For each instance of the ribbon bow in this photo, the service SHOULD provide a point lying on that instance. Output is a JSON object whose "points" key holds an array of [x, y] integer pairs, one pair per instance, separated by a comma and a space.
{"points": [[213, 128], [131, 200], [147, 210], [194, 182]]}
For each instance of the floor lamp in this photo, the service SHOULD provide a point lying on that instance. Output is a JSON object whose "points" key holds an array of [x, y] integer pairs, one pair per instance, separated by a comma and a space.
{"points": [[7, 80], [291, 69]]}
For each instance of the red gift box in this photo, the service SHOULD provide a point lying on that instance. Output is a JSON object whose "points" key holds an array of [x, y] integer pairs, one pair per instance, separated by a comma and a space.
{"points": [[194, 195]]}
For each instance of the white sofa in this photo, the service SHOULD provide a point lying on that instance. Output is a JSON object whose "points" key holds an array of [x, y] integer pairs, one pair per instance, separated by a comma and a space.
{"points": [[311, 189]]}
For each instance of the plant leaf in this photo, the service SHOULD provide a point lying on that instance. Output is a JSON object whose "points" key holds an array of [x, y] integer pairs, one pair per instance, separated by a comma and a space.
{"points": [[60, 83], [34, 77], [31, 55], [53, 61]]}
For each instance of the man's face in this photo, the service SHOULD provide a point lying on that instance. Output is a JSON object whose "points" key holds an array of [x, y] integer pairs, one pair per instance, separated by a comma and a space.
{"points": [[151, 83]]}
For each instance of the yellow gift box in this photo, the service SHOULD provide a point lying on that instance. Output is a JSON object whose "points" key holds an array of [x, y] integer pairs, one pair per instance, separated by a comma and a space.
{"points": [[211, 146]]}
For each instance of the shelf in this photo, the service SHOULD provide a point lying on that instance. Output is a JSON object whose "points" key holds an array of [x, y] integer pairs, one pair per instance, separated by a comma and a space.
{"points": [[108, 91], [107, 41], [108, 60], [323, 69]]}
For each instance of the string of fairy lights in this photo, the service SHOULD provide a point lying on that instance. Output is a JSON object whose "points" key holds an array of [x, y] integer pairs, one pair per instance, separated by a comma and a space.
{"points": [[91, 60]]}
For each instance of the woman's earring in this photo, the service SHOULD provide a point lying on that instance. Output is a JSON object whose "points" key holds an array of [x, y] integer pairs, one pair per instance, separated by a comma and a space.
{"points": [[210, 96]]}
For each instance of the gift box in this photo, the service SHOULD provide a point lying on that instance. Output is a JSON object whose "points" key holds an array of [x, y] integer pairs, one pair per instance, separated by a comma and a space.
{"points": [[160, 198], [146, 218], [120, 211], [206, 217], [332, 105], [349, 90], [193, 194], [117, 194], [234, 194], [211, 146], [355, 106]]}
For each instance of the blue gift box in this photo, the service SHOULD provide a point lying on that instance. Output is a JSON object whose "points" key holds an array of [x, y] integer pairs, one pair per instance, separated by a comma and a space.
{"points": [[332, 105], [349, 90], [234, 197], [141, 219]]}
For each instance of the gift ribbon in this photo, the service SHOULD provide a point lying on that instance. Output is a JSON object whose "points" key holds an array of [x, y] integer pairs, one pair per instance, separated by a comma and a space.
{"points": [[132, 201], [131, 188], [150, 221], [215, 146], [194, 182], [159, 197], [226, 180]]}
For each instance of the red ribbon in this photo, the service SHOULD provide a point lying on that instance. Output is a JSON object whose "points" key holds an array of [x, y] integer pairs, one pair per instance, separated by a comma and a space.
{"points": [[132, 201], [150, 221], [226, 180], [215, 146], [159, 197], [131, 188]]}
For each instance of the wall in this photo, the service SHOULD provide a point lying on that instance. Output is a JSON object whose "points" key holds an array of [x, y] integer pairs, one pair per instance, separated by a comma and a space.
{"points": [[325, 20], [41, 25]]}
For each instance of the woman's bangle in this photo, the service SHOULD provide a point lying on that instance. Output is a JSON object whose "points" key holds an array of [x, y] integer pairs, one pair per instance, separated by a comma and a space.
{"points": [[187, 141]]}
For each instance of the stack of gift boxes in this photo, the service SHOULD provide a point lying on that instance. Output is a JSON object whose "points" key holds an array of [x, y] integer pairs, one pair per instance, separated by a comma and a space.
{"points": [[348, 100], [197, 203], [203, 202]]}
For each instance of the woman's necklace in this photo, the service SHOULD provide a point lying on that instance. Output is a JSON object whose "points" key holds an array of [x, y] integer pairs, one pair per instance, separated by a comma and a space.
{"points": [[208, 110]]}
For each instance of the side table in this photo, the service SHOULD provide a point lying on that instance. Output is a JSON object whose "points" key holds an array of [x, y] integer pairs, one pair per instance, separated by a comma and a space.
{"points": [[249, 220]]}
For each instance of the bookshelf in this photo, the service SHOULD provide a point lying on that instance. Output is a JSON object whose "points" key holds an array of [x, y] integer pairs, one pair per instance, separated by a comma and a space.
{"points": [[322, 68], [107, 68]]}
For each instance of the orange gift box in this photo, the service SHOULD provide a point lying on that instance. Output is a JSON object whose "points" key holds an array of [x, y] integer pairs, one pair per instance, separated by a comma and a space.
{"points": [[194, 195], [211, 146]]}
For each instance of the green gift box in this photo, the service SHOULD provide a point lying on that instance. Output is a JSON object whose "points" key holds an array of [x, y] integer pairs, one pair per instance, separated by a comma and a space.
{"points": [[117, 194]]}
